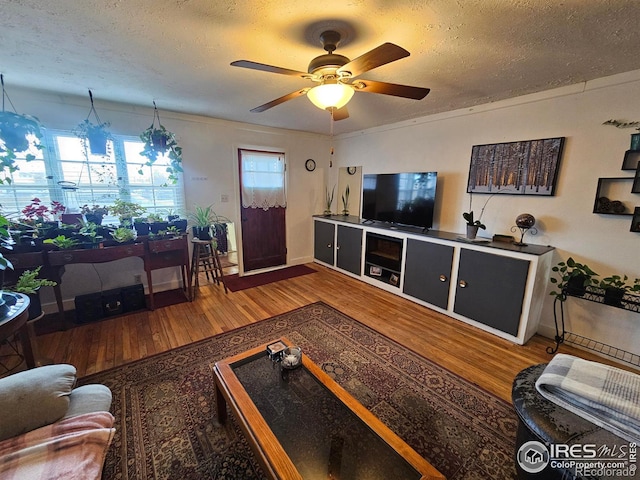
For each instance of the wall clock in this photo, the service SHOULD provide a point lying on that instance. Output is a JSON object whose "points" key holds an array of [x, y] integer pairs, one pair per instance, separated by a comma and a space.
{"points": [[310, 164], [351, 170]]}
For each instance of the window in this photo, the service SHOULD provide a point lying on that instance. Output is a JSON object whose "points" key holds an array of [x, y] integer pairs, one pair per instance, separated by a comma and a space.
{"points": [[64, 172], [263, 179]]}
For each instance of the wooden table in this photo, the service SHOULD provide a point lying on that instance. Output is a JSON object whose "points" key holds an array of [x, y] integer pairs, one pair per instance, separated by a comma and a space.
{"points": [[302, 424], [15, 322]]}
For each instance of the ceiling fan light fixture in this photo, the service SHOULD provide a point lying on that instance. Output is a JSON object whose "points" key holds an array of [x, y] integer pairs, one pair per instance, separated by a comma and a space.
{"points": [[330, 95]]}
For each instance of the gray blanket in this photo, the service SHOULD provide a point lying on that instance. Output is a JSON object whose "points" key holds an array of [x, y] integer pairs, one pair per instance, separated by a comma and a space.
{"points": [[604, 395]]}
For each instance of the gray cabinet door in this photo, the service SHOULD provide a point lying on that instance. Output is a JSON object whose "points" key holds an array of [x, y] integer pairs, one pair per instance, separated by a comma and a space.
{"points": [[349, 249], [323, 247], [490, 289], [427, 272]]}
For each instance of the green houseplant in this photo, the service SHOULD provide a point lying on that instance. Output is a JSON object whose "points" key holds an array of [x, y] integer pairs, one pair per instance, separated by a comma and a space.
{"points": [[201, 220], [94, 136], [615, 287], [123, 234], [159, 141], [62, 241], [329, 201], [126, 210], [18, 133], [345, 201], [573, 278], [29, 284], [472, 224]]}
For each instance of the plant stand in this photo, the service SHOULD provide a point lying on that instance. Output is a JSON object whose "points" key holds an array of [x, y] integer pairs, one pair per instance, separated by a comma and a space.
{"points": [[593, 294]]}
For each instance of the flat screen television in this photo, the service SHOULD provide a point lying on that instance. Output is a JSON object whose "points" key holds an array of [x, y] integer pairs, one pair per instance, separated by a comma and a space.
{"points": [[400, 198]]}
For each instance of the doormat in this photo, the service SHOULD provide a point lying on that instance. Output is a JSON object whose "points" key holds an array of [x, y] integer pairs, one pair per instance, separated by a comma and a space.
{"points": [[236, 283]]}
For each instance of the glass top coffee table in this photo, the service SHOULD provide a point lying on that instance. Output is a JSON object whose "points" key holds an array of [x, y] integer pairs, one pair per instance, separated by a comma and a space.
{"points": [[302, 425]]}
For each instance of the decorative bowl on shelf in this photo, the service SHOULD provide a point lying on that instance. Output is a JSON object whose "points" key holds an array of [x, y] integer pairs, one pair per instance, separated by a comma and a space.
{"points": [[291, 357]]}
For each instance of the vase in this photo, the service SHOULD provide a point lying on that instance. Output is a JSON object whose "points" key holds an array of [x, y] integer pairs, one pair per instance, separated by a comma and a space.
{"points": [[613, 296], [576, 285], [472, 231], [202, 233]]}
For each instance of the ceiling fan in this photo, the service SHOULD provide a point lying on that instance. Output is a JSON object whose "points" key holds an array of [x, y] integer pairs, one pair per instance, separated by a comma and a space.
{"points": [[336, 77]]}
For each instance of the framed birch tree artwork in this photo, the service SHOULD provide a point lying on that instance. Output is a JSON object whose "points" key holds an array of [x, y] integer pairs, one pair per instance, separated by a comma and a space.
{"points": [[525, 168]]}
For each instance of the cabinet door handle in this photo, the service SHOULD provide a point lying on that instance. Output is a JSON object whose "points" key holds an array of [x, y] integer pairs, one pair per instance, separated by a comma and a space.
{"points": [[338, 247], [443, 278], [462, 284], [329, 246]]}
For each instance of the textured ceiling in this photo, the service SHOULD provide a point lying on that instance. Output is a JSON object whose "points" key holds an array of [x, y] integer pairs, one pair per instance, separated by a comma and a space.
{"points": [[177, 52]]}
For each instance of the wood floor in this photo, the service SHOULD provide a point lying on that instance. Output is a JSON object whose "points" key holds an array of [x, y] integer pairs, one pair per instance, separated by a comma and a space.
{"points": [[482, 358]]}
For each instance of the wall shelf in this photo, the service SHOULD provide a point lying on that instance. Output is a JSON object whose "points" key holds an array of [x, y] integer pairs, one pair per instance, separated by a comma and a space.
{"points": [[610, 196]]}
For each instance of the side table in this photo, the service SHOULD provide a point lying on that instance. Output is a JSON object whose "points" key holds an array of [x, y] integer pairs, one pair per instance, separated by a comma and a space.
{"points": [[15, 322]]}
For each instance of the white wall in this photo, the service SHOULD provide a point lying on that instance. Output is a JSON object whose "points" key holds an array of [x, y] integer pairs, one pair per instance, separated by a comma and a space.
{"points": [[440, 142], [443, 143], [209, 151]]}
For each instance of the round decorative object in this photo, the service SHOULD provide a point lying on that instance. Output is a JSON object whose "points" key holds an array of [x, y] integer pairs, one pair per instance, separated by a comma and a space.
{"points": [[351, 170], [310, 165], [291, 357], [525, 220], [617, 206]]}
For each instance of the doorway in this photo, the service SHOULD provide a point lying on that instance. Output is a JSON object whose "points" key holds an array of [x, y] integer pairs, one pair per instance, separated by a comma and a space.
{"points": [[262, 208]]}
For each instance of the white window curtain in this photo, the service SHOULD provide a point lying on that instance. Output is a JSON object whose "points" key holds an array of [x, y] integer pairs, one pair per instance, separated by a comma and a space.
{"points": [[263, 181]]}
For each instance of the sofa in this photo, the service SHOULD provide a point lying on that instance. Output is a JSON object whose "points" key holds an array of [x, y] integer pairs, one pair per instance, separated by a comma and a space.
{"points": [[544, 421], [51, 429]]}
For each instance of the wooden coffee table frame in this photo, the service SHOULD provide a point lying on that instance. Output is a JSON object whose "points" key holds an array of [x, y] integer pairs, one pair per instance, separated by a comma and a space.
{"points": [[273, 459]]}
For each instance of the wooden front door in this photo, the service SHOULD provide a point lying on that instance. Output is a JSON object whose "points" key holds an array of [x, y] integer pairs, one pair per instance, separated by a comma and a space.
{"points": [[262, 214]]}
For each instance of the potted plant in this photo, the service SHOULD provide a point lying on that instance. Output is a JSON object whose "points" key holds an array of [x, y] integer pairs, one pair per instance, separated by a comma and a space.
{"points": [[329, 201], [88, 235], [345, 201], [61, 241], [94, 136], [615, 287], [18, 133], [472, 225], [157, 222], [123, 235], [126, 211], [574, 278], [29, 284], [94, 213], [159, 141], [5, 243], [201, 219]]}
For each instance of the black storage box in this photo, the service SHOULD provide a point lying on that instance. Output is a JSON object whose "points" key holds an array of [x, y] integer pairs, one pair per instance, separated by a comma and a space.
{"points": [[88, 307], [133, 298], [112, 302]]}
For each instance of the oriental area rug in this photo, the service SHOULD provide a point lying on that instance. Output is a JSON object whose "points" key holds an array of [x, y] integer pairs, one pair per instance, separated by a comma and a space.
{"points": [[166, 425]]}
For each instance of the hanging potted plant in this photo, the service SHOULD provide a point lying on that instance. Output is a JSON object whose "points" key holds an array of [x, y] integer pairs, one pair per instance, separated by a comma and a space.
{"points": [[94, 136], [158, 141], [18, 133]]}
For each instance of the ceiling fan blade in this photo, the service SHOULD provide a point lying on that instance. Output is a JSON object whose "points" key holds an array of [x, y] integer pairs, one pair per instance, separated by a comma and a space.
{"points": [[268, 68], [278, 101], [340, 114], [381, 55], [405, 91]]}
